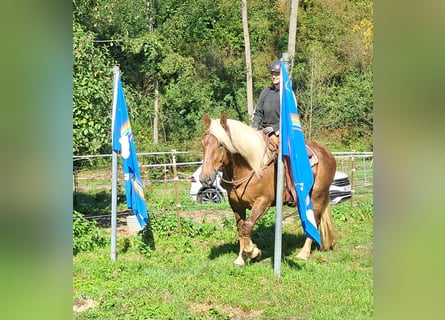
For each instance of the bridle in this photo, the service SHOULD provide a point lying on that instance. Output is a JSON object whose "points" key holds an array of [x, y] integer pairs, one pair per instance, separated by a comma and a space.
{"points": [[205, 143], [237, 183]]}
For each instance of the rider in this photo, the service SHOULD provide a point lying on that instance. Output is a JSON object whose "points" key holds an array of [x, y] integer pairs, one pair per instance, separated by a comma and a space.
{"points": [[267, 111]]}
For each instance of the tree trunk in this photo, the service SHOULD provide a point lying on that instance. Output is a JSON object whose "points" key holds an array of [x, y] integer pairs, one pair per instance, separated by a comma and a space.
{"points": [[248, 58], [311, 103], [155, 80], [292, 30], [156, 107]]}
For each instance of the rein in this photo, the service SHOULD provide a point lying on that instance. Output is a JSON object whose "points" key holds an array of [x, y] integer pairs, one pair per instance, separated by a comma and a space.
{"points": [[237, 183]]}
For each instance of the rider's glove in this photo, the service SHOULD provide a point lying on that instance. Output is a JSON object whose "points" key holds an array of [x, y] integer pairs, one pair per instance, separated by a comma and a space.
{"points": [[268, 130]]}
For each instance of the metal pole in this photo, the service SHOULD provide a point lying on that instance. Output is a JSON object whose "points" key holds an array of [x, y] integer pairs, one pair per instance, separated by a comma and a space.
{"points": [[278, 216], [113, 206], [114, 171], [279, 199]]}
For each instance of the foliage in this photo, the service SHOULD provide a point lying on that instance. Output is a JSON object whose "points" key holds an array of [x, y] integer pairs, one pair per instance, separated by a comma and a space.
{"points": [[86, 235], [341, 110], [362, 211], [195, 53], [92, 94], [167, 225], [143, 243]]}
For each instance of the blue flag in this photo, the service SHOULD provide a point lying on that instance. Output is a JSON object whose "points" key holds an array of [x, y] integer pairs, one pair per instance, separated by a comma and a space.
{"points": [[294, 152], [123, 143]]}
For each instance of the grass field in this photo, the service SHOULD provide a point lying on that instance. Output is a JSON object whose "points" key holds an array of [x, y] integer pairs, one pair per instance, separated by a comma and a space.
{"points": [[166, 275]]}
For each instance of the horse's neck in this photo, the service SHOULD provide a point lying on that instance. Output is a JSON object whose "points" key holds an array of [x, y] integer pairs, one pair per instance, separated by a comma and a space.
{"points": [[238, 168]]}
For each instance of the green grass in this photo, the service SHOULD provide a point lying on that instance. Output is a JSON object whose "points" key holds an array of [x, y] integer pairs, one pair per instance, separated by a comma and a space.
{"points": [[191, 276]]}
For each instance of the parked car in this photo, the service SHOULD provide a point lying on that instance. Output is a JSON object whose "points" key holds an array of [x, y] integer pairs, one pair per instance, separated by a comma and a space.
{"points": [[340, 189], [216, 193]]}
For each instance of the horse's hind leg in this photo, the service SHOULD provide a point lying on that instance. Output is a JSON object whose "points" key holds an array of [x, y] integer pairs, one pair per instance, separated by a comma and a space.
{"points": [[322, 213], [305, 252], [318, 205]]}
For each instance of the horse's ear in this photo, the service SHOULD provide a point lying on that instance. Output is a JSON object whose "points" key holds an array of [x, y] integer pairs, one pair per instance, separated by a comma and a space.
{"points": [[206, 120], [223, 121]]}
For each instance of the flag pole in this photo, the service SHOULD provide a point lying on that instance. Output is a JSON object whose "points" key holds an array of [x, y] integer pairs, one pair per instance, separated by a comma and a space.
{"points": [[279, 198], [114, 170]]}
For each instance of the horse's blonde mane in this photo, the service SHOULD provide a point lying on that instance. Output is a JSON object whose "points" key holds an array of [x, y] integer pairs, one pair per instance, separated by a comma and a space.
{"points": [[245, 140]]}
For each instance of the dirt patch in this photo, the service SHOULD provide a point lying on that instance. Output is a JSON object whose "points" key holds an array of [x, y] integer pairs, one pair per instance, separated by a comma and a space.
{"points": [[198, 216], [82, 304], [211, 311], [209, 216], [121, 223]]}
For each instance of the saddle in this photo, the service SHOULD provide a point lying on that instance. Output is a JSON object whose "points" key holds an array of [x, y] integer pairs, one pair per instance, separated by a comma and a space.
{"points": [[289, 192], [272, 145]]}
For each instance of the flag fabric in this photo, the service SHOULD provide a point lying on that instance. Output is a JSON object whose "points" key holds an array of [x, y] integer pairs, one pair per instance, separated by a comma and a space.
{"points": [[294, 153], [123, 143]]}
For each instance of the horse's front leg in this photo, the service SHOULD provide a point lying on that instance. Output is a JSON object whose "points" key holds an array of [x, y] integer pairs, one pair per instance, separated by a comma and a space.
{"points": [[250, 248], [242, 257]]}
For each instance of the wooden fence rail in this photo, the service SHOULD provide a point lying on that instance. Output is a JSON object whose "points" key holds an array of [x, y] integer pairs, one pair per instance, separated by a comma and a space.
{"points": [[170, 167]]}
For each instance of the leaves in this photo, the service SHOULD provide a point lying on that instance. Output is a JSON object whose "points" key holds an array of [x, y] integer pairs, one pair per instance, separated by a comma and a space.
{"points": [[195, 53], [86, 235]]}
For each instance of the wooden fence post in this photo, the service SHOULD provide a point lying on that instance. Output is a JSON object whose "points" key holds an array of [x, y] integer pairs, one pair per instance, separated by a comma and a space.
{"points": [[352, 178], [165, 180], [178, 205]]}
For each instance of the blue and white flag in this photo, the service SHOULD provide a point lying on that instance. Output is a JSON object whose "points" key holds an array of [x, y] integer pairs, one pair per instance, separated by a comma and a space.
{"points": [[294, 148], [123, 142]]}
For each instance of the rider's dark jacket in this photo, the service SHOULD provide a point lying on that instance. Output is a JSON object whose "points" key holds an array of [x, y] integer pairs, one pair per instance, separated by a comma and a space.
{"points": [[267, 110]]}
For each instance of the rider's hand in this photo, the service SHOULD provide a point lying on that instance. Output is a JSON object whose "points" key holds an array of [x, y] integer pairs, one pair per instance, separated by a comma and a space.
{"points": [[268, 130]]}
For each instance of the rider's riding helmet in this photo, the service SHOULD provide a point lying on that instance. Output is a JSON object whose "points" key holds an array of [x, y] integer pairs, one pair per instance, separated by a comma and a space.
{"points": [[275, 66]]}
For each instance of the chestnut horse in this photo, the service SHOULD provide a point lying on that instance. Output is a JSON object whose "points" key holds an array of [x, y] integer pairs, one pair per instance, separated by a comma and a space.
{"points": [[249, 176]]}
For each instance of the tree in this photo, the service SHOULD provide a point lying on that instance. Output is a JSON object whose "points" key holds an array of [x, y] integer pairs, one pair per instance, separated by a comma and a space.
{"points": [[249, 83], [155, 81], [92, 95], [292, 28], [199, 51], [317, 75]]}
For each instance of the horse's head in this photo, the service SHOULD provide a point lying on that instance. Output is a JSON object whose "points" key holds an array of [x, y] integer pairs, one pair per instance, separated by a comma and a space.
{"points": [[216, 156]]}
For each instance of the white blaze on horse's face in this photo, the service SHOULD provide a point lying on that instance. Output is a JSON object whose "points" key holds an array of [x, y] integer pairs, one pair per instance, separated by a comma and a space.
{"points": [[214, 155]]}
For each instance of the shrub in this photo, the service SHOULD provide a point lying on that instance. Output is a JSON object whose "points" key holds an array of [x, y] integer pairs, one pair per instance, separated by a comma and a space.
{"points": [[86, 234]]}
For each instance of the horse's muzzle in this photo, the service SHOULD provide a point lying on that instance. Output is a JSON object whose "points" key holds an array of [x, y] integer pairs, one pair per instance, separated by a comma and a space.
{"points": [[207, 180]]}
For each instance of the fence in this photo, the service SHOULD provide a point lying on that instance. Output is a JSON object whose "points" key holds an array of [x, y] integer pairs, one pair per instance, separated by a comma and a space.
{"points": [[93, 173], [359, 167]]}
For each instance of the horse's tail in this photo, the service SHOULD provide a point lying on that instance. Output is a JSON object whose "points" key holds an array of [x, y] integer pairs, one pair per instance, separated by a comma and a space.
{"points": [[327, 232]]}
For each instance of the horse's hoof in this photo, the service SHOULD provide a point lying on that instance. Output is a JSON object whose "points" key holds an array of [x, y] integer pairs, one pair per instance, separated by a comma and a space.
{"points": [[239, 262], [303, 255], [256, 255]]}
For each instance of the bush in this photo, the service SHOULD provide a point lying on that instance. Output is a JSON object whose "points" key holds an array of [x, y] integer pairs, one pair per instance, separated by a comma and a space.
{"points": [[86, 235], [360, 211]]}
